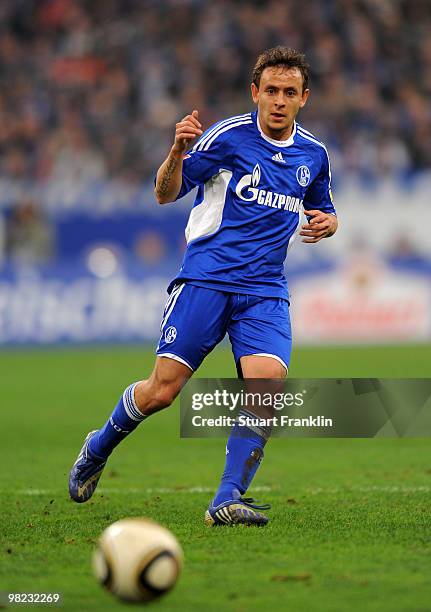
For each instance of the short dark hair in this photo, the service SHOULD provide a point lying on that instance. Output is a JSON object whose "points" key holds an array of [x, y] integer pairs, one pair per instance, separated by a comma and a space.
{"points": [[281, 56]]}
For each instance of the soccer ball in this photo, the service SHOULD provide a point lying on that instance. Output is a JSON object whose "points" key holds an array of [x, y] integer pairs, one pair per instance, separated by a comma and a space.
{"points": [[137, 560]]}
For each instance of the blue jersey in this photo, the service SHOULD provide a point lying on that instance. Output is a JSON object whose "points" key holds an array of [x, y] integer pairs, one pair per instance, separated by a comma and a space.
{"points": [[251, 191]]}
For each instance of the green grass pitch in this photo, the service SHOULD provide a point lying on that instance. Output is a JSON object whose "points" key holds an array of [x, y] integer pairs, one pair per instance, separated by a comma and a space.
{"points": [[350, 525]]}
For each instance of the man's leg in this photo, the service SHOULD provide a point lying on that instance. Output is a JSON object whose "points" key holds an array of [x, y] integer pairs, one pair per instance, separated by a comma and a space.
{"points": [[138, 401], [244, 449], [245, 446], [186, 338], [260, 334]]}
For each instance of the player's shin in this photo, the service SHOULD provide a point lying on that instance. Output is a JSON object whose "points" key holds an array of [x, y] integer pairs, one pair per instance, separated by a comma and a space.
{"points": [[124, 419], [244, 453]]}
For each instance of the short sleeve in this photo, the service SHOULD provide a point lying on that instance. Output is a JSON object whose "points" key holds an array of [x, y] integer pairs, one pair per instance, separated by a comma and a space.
{"points": [[212, 152], [319, 195]]}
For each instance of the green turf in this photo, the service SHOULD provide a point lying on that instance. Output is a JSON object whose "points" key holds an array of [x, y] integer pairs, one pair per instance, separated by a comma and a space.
{"points": [[350, 525]]}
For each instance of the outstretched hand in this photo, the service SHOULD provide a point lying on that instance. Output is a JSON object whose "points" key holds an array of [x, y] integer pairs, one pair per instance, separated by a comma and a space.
{"points": [[185, 131], [321, 225]]}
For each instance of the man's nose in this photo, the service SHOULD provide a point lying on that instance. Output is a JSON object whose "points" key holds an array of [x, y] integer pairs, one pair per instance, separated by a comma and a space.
{"points": [[279, 100]]}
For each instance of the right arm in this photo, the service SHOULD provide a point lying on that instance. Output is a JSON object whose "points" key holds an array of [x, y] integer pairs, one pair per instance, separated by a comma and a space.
{"points": [[170, 174]]}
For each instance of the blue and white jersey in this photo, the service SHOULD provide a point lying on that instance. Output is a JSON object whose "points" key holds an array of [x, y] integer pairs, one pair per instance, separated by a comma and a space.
{"points": [[251, 191]]}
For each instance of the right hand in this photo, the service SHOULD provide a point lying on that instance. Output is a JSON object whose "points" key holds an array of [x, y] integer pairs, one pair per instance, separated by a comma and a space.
{"points": [[185, 131]]}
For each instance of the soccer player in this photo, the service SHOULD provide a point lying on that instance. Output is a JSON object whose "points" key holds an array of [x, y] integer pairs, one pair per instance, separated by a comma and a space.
{"points": [[255, 174]]}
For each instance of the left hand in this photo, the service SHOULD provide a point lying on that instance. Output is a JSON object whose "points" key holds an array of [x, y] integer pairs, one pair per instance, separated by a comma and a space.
{"points": [[321, 225]]}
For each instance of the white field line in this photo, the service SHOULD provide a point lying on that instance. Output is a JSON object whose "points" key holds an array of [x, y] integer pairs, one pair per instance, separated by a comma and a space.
{"points": [[199, 489], [371, 489], [133, 490]]}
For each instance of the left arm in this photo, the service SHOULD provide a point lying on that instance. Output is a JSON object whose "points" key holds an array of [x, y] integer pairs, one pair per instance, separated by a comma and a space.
{"points": [[320, 225], [318, 205]]}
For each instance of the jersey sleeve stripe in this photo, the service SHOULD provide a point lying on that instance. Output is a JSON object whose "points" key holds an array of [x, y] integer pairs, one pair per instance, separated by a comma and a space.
{"points": [[204, 139], [201, 142], [309, 136], [304, 130], [224, 129]]}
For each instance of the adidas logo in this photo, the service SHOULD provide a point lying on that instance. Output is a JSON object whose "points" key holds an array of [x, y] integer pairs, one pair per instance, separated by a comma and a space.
{"points": [[278, 158]]}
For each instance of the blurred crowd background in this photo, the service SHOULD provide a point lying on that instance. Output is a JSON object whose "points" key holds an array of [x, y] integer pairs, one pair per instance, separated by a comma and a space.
{"points": [[90, 91]]}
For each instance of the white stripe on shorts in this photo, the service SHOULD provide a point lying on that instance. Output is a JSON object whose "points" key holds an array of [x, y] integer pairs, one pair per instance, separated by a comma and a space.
{"points": [[170, 305], [276, 357], [176, 358]]}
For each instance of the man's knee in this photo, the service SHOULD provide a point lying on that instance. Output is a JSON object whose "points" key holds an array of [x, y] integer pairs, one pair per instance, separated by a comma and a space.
{"points": [[165, 394], [152, 395], [163, 386]]}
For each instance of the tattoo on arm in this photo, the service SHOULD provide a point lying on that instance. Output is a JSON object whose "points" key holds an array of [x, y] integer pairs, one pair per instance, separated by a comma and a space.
{"points": [[164, 183]]}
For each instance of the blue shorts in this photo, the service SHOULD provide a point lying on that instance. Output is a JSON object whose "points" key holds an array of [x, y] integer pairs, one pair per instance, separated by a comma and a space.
{"points": [[196, 319]]}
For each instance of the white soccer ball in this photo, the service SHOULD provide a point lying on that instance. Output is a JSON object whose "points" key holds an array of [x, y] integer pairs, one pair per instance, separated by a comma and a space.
{"points": [[137, 560]]}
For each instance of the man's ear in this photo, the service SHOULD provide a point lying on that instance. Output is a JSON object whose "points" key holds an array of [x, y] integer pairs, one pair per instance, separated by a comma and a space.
{"points": [[304, 98], [254, 93]]}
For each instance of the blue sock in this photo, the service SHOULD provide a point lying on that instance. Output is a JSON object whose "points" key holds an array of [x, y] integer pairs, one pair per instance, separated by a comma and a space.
{"points": [[125, 418], [244, 453]]}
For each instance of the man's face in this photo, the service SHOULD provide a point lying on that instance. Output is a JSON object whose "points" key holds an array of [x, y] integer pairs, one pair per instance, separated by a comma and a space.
{"points": [[279, 98]]}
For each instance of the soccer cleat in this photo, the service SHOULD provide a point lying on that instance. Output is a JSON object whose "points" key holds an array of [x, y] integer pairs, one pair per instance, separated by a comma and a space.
{"points": [[85, 473], [241, 511]]}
